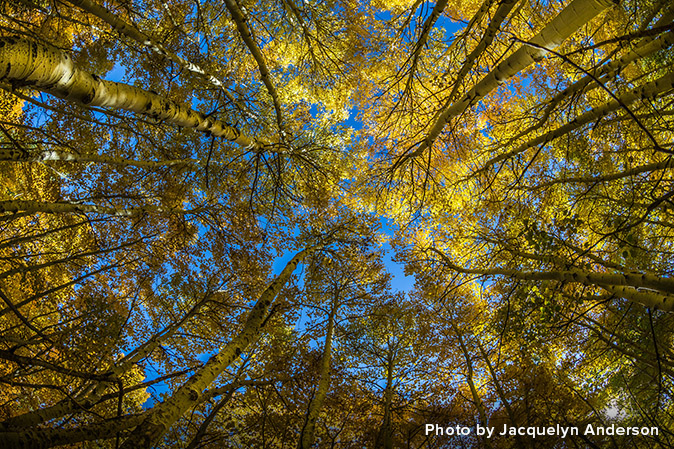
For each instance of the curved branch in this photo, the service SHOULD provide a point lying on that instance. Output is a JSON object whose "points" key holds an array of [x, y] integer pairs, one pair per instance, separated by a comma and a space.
{"points": [[247, 36]]}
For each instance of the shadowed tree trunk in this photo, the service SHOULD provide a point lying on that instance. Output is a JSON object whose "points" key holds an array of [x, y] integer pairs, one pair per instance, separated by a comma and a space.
{"points": [[161, 417], [309, 428]]}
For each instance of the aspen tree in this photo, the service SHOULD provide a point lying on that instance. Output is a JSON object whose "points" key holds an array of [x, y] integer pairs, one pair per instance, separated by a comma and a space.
{"points": [[91, 395], [657, 293], [575, 15], [31, 207], [307, 434], [145, 40], [136, 255], [48, 69], [64, 156], [647, 91], [162, 416]]}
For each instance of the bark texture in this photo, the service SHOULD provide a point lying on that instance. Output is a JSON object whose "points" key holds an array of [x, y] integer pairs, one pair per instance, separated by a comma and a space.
{"points": [[50, 70], [575, 15], [645, 289], [134, 33], [162, 416], [645, 92]]}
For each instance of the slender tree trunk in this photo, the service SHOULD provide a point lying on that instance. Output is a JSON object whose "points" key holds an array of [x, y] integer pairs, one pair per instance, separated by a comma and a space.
{"points": [[62, 207], [308, 430], [247, 36], [482, 413], [477, 18], [646, 289], [647, 91], [501, 394], [500, 15], [633, 172], [497, 384], [143, 39], [201, 431], [164, 415], [91, 396], [575, 15], [65, 156], [439, 7], [385, 434], [602, 73], [26, 63], [46, 438]]}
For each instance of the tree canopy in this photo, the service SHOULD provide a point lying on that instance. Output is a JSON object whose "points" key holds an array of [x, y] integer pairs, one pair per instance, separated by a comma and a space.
{"points": [[202, 204]]}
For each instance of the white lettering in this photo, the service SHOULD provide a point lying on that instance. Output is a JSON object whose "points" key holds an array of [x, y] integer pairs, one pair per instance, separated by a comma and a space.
{"points": [[446, 431], [480, 430]]}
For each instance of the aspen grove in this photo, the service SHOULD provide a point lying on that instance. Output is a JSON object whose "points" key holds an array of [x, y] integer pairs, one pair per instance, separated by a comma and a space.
{"points": [[336, 224]]}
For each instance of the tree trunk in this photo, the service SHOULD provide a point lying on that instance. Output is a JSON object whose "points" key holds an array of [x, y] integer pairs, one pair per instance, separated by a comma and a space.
{"points": [[603, 74], [501, 394], [46, 438], [309, 428], [497, 384], [162, 416], [143, 39], [26, 63], [247, 36], [65, 156], [645, 289], [575, 15], [32, 207], [385, 437], [91, 395], [500, 15], [479, 405], [647, 91], [439, 7]]}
